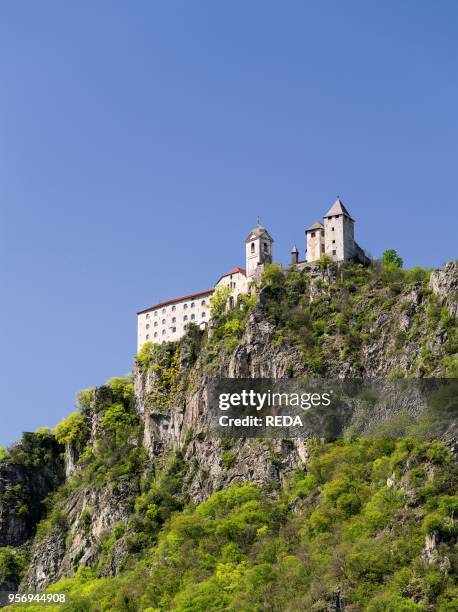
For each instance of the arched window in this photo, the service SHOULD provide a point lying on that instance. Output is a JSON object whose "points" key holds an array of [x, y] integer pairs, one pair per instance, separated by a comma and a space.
{"points": [[147, 336], [185, 306], [202, 303], [163, 310], [155, 323], [147, 315], [266, 247], [147, 326], [192, 304], [174, 307], [204, 314], [155, 313], [174, 329], [155, 334], [185, 318], [252, 247], [193, 316], [174, 319], [163, 321], [163, 331]]}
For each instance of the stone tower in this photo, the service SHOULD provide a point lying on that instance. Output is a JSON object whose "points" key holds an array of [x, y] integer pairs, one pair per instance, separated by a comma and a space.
{"points": [[339, 241], [258, 247], [314, 242]]}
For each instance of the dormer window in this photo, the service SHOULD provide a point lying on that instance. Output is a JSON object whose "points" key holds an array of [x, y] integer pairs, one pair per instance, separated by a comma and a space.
{"points": [[252, 247]]}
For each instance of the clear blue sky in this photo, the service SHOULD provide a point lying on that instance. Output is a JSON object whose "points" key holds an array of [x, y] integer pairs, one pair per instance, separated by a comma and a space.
{"points": [[139, 141]]}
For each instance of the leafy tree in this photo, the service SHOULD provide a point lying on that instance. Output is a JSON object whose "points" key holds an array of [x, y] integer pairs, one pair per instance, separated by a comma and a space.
{"points": [[218, 301], [391, 260]]}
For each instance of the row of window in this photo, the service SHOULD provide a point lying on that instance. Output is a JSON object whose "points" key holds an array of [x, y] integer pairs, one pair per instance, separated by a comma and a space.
{"points": [[174, 319], [185, 306]]}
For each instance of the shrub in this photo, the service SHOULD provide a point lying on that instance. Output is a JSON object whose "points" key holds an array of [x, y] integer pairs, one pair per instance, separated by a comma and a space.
{"points": [[73, 429]]}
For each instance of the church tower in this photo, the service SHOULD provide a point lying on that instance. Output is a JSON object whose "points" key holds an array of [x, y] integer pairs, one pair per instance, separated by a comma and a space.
{"points": [[339, 240], [258, 248]]}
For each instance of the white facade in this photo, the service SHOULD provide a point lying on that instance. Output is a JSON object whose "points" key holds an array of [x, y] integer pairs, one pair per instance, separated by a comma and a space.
{"points": [[237, 280], [258, 249], [166, 321], [335, 238], [315, 242]]}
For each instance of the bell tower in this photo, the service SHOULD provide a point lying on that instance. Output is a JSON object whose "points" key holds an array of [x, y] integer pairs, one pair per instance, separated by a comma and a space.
{"points": [[258, 248]]}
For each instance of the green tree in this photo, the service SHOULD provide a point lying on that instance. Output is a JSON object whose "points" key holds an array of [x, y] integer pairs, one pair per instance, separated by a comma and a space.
{"points": [[218, 301], [391, 260]]}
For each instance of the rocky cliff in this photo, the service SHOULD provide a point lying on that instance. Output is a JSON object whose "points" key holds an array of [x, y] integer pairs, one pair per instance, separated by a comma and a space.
{"points": [[141, 449]]}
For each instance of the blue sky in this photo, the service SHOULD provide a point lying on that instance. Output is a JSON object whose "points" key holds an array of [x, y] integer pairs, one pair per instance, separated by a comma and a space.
{"points": [[140, 141]]}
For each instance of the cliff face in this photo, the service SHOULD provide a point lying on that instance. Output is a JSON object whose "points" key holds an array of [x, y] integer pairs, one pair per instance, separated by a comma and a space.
{"points": [[146, 450]]}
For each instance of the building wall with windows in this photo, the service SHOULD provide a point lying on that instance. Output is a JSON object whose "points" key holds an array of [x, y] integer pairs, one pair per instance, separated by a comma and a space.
{"points": [[166, 321], [237, 280]]}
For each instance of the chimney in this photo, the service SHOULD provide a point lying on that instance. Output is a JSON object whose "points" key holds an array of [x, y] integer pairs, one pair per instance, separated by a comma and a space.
{"points": [[294, 255]]}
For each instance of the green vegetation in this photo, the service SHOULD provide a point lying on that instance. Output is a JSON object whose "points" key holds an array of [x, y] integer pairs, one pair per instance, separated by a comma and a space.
{"points": [[72, 430], [335, 530], [391, 260]]}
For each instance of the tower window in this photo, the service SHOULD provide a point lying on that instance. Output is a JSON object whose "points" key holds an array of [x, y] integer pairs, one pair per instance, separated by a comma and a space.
{"points": [[312, 235], [322, 248], [322, 232], [334, 252], [252, 247], [266, 247]]}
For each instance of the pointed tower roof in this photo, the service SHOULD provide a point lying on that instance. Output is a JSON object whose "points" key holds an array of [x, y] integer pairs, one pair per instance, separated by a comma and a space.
{"points": [[338, 209], [316, 226], [294, 249], [257, 232]]}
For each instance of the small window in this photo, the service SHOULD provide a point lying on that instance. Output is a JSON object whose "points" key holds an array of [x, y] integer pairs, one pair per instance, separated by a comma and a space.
{"points": [[202, 303], [147, 336], [155, 313], [163, 332], [192, 304], [252, 247], [147, 326], [174, 307], [193, 316], [333, 242], [312, 235], [174, 329], [163, 321], [174, 319], [332, 228], [155, 323], [266, 247], [231, 302], [163, 310], [204, 314], [185, 318], [322, 248], [147, 315], [334, 252], [185, 306], [155, 334], [322, 232]]}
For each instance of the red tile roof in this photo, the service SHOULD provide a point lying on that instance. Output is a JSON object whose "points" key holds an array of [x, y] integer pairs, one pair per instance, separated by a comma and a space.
{"points": [[178, 299]]}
